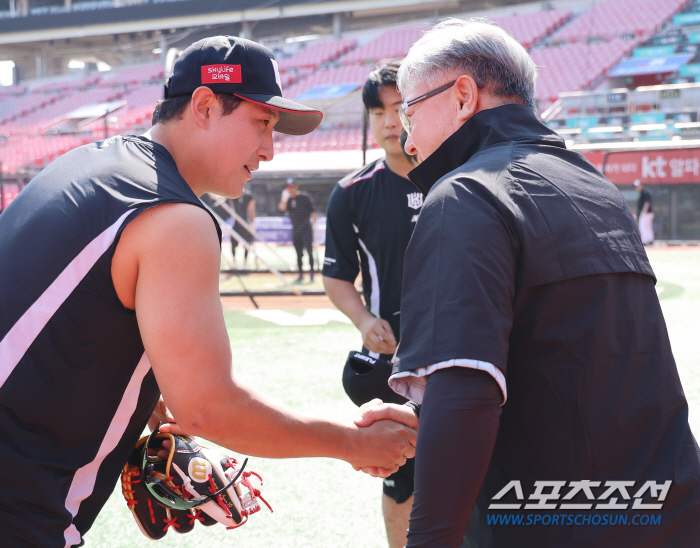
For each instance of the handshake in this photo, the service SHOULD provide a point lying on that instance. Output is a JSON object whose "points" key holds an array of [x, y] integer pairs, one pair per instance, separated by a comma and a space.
{"points": [[379, 440], [386, 434]]}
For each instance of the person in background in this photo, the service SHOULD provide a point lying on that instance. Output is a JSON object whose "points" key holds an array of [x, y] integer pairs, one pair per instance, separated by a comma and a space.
{"points": [[645, 214], [302, 212], [244, 206], [370, 219]]}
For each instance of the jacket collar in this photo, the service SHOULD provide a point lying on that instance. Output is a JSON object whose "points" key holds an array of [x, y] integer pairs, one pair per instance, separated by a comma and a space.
{"points": [[489, 127]]}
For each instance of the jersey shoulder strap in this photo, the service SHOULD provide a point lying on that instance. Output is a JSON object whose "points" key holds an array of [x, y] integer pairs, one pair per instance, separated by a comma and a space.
{"points": [[365, 172]]}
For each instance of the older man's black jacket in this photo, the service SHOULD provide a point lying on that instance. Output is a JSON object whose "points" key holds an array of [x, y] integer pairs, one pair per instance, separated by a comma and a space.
{"points": [[526, 264]]}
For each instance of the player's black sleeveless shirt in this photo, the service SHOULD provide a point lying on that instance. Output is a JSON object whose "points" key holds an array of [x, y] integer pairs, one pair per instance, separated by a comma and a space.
{"points": [[76, 388], [371, 214]]}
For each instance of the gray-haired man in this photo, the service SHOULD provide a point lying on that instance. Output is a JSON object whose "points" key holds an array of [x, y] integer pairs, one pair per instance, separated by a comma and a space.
{"points": [[530, 327]]}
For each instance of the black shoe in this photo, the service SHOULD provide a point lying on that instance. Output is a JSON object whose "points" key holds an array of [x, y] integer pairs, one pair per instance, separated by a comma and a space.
{"points": [[299, 279], [311, 278]]}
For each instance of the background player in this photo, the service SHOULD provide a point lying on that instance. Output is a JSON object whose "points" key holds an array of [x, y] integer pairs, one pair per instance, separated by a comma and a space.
{"points": [[370, 219], [645, 213], [302, 213], [244, 206]]}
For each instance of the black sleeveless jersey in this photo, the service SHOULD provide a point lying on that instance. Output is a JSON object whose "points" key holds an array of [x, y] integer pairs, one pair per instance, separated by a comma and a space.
{"points": [[371, 215], [76, 388]]}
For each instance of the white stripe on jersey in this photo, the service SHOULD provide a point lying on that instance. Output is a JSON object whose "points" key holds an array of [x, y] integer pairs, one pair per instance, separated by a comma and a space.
{"points": [[374, 277], [84, 480], [21, 336], [369, 175]]}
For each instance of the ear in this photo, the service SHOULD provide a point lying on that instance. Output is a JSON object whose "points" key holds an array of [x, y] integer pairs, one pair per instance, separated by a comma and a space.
{"points": [[467, 93], [202, 105]]}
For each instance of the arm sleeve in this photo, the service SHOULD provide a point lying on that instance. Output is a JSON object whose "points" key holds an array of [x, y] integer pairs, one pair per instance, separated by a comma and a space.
{"points": [[459, 420], [459, 281], [341, 260]]}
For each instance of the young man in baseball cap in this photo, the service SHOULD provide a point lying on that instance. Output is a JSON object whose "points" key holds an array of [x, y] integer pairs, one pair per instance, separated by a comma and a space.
{"points": [[110, 297]]}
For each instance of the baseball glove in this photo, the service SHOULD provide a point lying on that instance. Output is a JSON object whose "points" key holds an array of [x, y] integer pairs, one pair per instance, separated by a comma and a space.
{"points": [[193, 484]]}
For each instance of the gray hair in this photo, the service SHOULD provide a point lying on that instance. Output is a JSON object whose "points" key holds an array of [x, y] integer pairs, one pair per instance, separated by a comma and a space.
{"points": [[476, 47]]}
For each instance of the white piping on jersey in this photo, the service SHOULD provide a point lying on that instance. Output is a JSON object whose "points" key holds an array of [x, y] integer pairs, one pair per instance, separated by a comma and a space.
{"points": [[83, 482], [369, 175], [374, 278], [374, 294], [372, 266], [411, 384], [21, 336]]}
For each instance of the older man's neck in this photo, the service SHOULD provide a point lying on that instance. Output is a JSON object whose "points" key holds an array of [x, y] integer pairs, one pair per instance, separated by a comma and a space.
{"points": [[399, 164]]}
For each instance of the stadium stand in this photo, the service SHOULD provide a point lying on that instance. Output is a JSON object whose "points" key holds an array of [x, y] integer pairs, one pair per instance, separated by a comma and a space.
{"points": [[659, 113], [346, 75], [135, 75], [39, 119], [318, 54], [12, 91], [574, 66], [77, 5], [333, 139], [37, 151], [616, 18], [66, 85], [13, 108], [531, 28], [630, 105], [392, 43], [140, 102], [573, 51]]}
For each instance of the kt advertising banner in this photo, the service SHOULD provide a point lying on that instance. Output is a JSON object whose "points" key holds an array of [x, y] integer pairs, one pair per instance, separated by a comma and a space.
{"points": [[649, 166]]}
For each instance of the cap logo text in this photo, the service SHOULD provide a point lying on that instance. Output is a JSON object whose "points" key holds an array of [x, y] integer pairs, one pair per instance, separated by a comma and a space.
{"points": [[221, 74], [278, 80]]}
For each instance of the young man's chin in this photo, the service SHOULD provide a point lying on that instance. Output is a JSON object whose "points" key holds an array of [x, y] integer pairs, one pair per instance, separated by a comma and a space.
{"points": [[232, 190], [391, 146], [236, 191]]}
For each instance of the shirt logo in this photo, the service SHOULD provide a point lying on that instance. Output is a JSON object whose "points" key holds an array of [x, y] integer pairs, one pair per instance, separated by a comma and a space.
{"points": [[415, 200], [226, 74]]}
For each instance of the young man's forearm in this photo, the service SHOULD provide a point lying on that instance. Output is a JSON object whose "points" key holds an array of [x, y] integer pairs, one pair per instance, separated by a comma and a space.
{"points": [[244, 421], [346, 299]]}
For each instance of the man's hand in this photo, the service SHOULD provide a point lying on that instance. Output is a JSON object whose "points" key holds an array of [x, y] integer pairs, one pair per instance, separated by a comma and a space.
{"points": [[376, 410], [382, 447], [377, 335], [161, 414]]}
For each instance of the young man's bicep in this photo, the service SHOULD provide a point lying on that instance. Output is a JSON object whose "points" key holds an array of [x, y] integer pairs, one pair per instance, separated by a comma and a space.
{"points": [[179, 309]]}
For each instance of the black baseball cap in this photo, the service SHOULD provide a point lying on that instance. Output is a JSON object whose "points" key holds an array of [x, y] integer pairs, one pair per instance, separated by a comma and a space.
{"points": [[229, 64]]}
